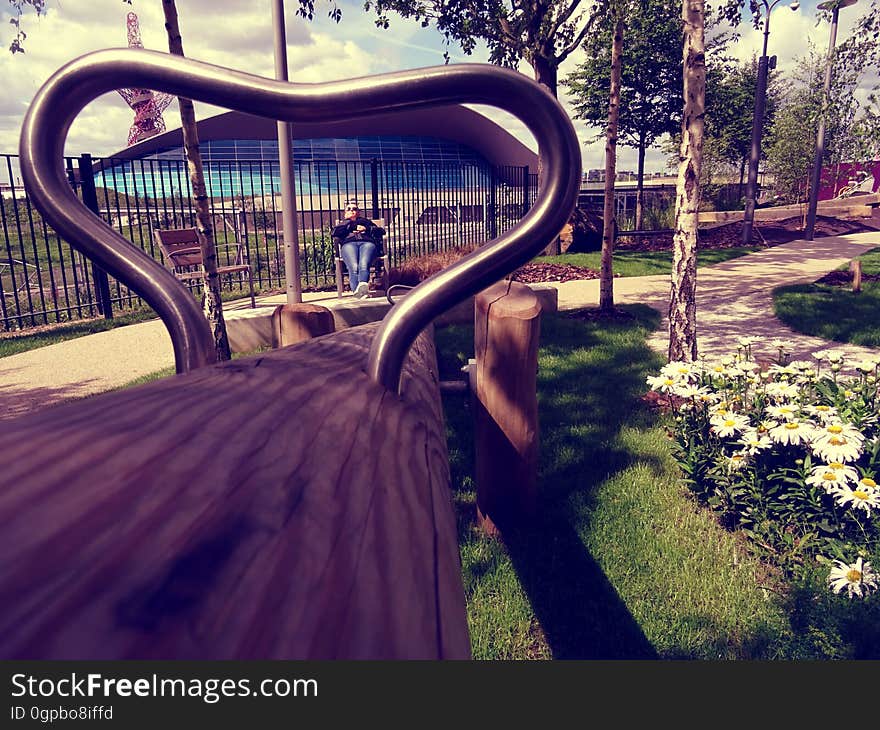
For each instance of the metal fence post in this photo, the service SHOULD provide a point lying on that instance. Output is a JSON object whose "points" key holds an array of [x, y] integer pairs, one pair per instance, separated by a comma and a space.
{"points": [[374, 186], [490, 212], [90, 200], [525, 190]]}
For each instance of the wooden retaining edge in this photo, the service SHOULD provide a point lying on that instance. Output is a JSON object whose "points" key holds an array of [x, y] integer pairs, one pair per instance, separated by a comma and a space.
{"points": [[282, 506]]}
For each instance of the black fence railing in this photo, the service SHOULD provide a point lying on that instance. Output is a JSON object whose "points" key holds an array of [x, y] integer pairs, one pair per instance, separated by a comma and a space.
{"points": [[427, 207]]}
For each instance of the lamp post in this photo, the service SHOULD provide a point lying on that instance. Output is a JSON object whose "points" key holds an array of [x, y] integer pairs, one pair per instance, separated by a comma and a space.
{"points": [[288, 202], [764, 64], [834, 6]]}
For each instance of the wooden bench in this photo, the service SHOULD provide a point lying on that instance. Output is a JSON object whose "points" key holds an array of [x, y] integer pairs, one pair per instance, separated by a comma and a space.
{"points": [[236, 512]]}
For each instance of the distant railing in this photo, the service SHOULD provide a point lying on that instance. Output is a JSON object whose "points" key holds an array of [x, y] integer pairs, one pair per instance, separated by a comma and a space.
{"points": [[429, 207]]}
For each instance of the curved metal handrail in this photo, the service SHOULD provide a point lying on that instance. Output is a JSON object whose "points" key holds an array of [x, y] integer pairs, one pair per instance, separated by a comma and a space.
{"points": [[64, 95]]}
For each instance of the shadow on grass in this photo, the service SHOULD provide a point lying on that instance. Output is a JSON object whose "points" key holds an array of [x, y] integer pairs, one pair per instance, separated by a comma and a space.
{"points": [[590, 380], [831, 312]]}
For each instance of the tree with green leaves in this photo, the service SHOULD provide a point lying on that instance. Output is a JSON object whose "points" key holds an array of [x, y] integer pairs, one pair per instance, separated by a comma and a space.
{"points": [[19, 7], [543, 33], [730, 101], [650, 94]]}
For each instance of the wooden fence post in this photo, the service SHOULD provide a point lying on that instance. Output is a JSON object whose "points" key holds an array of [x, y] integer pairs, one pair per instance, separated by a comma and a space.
{"points": [[507, 327], [292, 323], [855, 266]]}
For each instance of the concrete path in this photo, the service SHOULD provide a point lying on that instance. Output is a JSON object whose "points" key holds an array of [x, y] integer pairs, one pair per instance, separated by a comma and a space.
{"points": [[733, 299]]}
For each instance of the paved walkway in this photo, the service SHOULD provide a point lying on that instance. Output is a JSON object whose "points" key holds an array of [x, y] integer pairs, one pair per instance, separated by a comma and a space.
{"points": [[733, 299]]}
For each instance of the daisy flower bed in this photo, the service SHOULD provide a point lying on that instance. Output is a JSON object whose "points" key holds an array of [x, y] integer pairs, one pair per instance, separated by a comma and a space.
{"points": [[787, 452]]}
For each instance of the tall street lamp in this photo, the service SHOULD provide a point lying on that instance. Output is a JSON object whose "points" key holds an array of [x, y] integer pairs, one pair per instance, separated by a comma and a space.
{"points": [[764, 64], [834, 6]]}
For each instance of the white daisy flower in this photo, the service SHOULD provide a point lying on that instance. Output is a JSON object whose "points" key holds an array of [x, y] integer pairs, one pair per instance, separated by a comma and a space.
{"points": [[822, 412], [680, 370], [838, 442], [783, 411], [737, 461], [832, 475], [859, 578], [729, 424], [782, 390], [782, 370], [802, 366], [766, 425], [754, 442], [832, 356], [793, 432], [863, 496], [837, 428], [661, 383], [690, 391], [749, 340], [777, 343], [865, 366], [830, 480], [718, 369]]}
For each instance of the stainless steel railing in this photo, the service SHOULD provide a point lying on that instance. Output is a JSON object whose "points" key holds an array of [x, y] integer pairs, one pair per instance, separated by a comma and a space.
{"points": [[64, 95]]}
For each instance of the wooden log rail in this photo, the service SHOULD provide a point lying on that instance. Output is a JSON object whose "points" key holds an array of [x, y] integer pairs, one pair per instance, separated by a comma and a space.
{"points": [[282, 506]]}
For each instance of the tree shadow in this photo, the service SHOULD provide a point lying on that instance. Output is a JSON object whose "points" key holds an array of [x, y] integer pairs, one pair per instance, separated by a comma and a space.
{"points": [[581, 415]]}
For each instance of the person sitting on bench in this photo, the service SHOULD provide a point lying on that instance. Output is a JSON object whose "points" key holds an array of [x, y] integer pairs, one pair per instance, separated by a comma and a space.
{"points": [[357, 248]]}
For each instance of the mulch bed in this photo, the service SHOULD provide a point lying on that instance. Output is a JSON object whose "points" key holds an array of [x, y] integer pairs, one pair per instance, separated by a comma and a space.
{"points": [[533, 273]]}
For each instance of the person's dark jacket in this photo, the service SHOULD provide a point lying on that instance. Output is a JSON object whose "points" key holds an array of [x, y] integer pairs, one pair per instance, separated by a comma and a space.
{"points": [[347, 232]]}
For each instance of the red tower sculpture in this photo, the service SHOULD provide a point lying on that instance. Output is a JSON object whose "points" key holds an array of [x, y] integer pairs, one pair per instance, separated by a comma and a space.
{"points": [[147, 105]]}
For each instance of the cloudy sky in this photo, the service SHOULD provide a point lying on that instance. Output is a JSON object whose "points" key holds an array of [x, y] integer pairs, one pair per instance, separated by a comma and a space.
{"points": [[238, 34]]}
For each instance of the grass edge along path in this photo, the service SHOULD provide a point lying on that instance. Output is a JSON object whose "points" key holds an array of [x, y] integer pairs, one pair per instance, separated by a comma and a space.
{"points": [[645, 263], [622, 563], [832, 312]]}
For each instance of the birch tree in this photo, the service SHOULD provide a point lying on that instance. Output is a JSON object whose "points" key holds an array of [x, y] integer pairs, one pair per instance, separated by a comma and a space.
{"points": [[682, 299], [212, 304]]}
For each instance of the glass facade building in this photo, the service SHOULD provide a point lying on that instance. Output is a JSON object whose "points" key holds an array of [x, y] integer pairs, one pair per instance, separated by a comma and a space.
{"points": [[324, 166]]}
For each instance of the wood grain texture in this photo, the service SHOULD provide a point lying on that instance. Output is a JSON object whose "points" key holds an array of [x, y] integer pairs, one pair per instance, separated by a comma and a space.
{"points": [[282, 506], [294, 323], [507, 321]]}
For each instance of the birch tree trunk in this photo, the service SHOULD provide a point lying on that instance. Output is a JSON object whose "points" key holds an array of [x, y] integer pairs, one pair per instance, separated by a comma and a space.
{"points": [[212, 303], [609, 224], [682, 301], [640, 187]]}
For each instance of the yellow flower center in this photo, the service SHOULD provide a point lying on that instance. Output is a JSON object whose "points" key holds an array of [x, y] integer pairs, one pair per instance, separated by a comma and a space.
{"points": [[835, 465], [835, 429], [853, 576], [729, 422], [823, 408], [834, 441], [868, 482], [791, 426], [669, 381], [718, 369], [858, 493], [830, 476]]}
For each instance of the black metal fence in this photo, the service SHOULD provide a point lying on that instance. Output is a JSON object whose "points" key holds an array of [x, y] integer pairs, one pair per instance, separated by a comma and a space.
{"points": [[427, 207]]}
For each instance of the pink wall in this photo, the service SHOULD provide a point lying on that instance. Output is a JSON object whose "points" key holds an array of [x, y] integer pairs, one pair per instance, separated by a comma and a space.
{"points": [[830, 186]]}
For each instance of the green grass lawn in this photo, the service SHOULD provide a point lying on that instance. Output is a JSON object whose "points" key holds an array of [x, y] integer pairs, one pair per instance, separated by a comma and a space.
{"points": [[646, 263], [622, 562], [834, 312]]}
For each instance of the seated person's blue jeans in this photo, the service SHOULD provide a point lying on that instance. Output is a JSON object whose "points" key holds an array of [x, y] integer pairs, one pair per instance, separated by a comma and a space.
{"points": [[357, 256]]}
